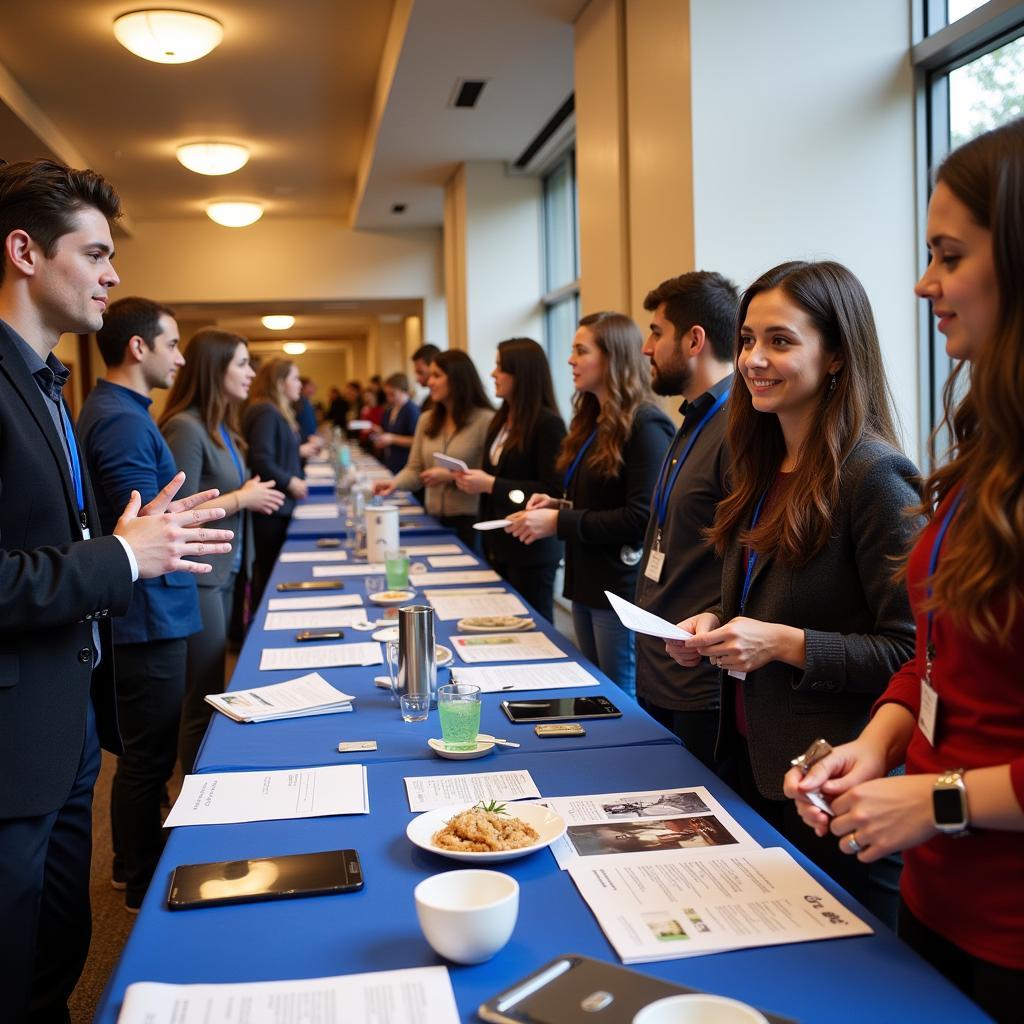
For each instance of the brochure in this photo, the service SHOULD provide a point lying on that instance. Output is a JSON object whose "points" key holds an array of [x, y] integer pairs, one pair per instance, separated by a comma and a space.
{"points": [[484, 647], [301, 697]]}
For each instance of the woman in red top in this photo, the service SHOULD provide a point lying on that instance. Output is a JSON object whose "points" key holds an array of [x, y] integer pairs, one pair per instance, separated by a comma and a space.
{"points": [[955, 714]]}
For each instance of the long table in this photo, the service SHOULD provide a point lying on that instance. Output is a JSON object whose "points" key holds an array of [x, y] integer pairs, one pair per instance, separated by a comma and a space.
{"points": [[334, 526], [870, 978]]}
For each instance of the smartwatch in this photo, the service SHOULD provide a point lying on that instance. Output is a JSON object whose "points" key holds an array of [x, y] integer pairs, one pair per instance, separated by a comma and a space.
{"points": [[949, 803]]}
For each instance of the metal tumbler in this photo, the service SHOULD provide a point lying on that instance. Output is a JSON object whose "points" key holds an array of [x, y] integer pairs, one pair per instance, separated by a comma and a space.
{"points": [[417, 659]]}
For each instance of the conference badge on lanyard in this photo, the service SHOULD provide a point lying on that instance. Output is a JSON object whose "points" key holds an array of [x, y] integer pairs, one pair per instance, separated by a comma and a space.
{"points": [[655, 560]]}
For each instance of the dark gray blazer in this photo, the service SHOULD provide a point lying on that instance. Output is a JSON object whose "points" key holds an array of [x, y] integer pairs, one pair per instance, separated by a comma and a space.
{"points": [[207, 465], [856, 620]]}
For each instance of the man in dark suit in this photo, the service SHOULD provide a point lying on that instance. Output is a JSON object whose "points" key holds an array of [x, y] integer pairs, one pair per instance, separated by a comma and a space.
{"points": [[59, 582]]}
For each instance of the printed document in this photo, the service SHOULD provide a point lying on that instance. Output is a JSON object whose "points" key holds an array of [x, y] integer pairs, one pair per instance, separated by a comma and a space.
{"points": [[320, 656], [223, 798], [288, 604], [641, 621], [441, 579], [483, 647], [317, 510], [458, 606], [331, 619], [665, 906], [451, 561], [332, 571], [313, 556], [301, 697], [427, 792], [557, 675], [431, 549]]}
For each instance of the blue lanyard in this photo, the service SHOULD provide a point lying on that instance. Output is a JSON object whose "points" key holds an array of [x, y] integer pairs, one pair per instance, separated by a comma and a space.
{"points": [[665, 483], [234, 454], [571, 471], [76, 465], [940, 536], [752, 559]]}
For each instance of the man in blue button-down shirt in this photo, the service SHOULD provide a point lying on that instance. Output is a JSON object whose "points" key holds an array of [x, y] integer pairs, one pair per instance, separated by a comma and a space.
{"points": [[126, 452]]}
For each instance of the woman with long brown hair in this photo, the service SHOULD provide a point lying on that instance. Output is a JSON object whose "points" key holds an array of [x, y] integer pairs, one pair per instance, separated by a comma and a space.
{"points": [[276, 453], [521, 449], [200, 424], [456, 425], [954, 714], [608, 462], [811, 623]]}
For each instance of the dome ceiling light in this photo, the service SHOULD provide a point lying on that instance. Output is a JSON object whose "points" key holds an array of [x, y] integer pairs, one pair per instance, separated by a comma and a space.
{"points": [[294, 348], [234, 213], [168, 36], [213, 157], [278, 322]]}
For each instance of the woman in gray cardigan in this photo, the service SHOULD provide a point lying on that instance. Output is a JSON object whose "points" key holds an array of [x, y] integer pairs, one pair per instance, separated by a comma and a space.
{"points": [[811, 623], [200, 425]]}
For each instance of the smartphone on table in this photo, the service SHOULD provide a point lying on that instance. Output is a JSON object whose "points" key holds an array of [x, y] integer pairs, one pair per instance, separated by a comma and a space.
{"points": [[560, 710], [312, 585]]}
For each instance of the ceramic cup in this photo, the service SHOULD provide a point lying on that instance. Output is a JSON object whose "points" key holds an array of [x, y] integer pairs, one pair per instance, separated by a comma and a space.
{"points": [[699, 1008], [467, 916]]}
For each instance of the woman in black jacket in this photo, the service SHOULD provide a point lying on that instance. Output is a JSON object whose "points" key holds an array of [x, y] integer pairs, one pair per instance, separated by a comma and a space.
{"points": [[521, 448], [272, 434], [609, 462]]}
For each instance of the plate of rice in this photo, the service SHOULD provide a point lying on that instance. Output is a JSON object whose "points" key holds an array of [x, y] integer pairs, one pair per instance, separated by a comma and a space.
{"points": [[492, 832]]}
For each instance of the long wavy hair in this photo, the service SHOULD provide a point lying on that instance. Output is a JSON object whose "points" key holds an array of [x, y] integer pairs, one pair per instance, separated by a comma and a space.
{"points": [[795, 530], [200, 383], [465, 392], [268, 386], [534, 392], [627, 379], [978, 579]]}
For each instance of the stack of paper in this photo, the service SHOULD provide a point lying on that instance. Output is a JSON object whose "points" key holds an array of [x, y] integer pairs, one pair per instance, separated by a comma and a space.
{"points": [[297, 698], [322, 510], [320, 656]]}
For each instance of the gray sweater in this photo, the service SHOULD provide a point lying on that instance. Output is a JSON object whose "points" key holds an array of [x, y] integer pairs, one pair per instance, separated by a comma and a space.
{"points": [[856, 619]]}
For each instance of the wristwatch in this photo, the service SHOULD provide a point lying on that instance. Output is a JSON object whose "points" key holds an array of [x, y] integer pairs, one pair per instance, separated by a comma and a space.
{"points": [[949, 803]]}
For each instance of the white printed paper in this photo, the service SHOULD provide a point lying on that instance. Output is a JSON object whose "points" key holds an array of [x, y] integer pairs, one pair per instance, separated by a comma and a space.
{"points": [[320, 656], [222, 798], [430, 594], [450, 463], [441, 579], [636, 824], [641, 621], [330, 619], [492, 524], [558, 675], [313, 556], [483, 647], [301, 697], [431, 549], [427, 792], [318, 510], [670, 905], [451, 561], [286, 604], [458, 606], [332, 571]]}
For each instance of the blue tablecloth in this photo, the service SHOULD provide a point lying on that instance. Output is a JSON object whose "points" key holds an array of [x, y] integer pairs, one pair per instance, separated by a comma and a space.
{"points": [[870, 979], [409, 526], [313, 741]]}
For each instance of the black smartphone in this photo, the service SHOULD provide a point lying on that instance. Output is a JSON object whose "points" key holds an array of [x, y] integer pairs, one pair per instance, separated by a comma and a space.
{"points": [[320, 634], [559, 710], [264, 878], [312, 585], [328, 542]]}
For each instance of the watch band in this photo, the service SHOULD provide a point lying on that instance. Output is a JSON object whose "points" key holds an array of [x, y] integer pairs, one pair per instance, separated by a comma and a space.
{"points": [[949, 803]]}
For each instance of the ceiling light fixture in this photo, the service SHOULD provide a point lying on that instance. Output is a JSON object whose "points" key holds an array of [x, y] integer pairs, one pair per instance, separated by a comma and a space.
{"points": [[234, 213], [278, 322], [168, 36], [294, 348], [213, 157]]}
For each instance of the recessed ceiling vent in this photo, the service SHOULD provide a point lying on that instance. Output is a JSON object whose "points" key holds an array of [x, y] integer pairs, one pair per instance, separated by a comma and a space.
{"points": [[467, 92]]}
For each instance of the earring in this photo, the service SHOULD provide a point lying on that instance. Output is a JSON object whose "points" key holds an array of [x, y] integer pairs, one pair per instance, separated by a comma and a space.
{"points": [[832, 384]]}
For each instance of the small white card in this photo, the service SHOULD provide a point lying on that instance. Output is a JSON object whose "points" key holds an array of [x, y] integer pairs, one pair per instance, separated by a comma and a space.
{"points": [[655, 563], [292, 604], [451, 561], [492, 524], [449, 462]]}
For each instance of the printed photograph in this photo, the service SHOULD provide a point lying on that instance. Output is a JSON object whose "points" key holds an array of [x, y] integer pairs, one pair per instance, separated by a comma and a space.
{"points": [[657, 805], [664, 927], [642, 836]]}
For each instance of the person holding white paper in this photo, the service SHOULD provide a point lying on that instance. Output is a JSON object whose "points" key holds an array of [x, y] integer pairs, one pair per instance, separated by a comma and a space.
{"points": [[456, 425], [809, 536]]}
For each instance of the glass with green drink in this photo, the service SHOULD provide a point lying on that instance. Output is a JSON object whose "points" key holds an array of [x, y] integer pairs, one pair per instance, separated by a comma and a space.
{"points": [[458, 705], [396, 569]]}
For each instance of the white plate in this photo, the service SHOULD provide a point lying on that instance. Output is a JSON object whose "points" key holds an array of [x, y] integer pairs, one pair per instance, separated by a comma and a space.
{"points": [[442, 655], [494, 624], [482, 748], [550, 826], [392, 596], [385, 634], [492, 524]]}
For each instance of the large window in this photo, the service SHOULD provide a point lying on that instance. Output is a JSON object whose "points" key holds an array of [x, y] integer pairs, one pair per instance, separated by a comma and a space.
{"points": [[561, 273], [970, 65]]}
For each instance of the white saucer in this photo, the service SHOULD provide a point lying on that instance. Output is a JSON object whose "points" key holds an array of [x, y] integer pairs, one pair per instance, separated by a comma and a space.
{"points": [[392, 596], [482, 749], [442, 655], [385, 634]]}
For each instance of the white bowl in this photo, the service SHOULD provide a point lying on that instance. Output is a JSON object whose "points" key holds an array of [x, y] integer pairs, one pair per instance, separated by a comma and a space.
{"points": [[422, 828], [467, 916], [699, 1008]]}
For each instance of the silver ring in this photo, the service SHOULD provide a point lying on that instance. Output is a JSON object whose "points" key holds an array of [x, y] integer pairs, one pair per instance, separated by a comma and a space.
{"points": [[853, 846]]}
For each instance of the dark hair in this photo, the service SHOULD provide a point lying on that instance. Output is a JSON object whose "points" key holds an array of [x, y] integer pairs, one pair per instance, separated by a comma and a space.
{"points": [[125, 319], [200, 383], [702, 297], [525, 360], [628, 383], [268, 386], [42, 197], [398, 381], [860, 405], [428, 353], [465, 392], [978, 576]]}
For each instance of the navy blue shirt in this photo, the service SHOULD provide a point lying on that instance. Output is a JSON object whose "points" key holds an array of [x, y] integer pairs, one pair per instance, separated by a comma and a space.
{"points": [[306, 415], [403, 422], [124, 452]]}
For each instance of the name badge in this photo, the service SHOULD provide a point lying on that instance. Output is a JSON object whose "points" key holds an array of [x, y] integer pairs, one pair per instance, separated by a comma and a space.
{"points": [[929, 713], [655, 563]]}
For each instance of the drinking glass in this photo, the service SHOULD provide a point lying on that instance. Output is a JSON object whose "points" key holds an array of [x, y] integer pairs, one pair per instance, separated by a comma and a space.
{"points": [[415, 706], [396, 569], [458, 705], [391, 658]]}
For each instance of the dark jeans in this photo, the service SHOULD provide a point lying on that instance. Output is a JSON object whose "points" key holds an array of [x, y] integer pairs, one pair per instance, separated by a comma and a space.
{"points": [[997, 990], [150, 690], [463, 527], [45, 920], [205, 672], [875, 885], [697, 729], [269, 533], [535, 582]]}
